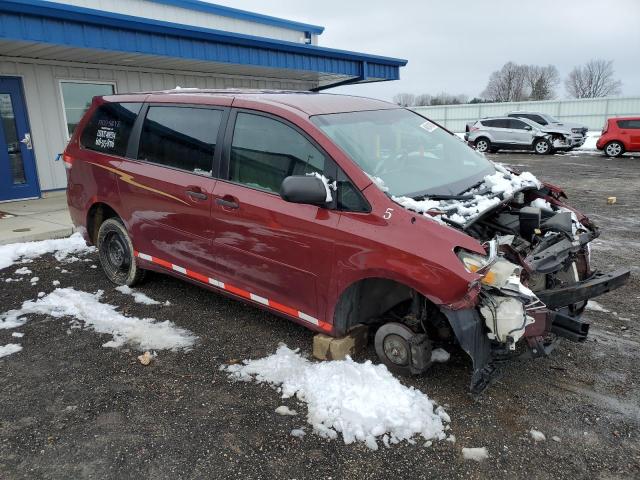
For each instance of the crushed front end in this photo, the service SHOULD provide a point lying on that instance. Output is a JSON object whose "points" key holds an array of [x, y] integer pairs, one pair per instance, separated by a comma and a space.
{"points": [[534, 282]]}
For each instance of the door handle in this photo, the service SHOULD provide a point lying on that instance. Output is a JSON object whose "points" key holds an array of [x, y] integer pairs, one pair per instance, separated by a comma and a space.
{"points": [[198, 195], [225, 203]]}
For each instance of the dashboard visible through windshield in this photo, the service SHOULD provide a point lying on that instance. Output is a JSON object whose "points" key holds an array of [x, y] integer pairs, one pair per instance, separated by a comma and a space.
{"points": [[413, 156]]}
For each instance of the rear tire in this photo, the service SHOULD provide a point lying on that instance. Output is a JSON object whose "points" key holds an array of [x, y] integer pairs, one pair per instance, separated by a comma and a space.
{"points": [[613, 149], [482, 145], [542, 146], [116, 253]]}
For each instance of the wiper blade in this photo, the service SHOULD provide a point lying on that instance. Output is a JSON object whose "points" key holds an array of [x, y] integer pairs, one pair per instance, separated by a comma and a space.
{"points": [[452, 197]]}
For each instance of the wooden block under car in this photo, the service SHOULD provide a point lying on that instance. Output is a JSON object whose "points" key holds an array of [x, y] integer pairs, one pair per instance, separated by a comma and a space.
{"points": [[330, 348]]}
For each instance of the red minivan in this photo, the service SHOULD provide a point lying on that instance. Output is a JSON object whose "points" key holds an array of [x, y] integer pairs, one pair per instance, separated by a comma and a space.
{"points": [[620, 135], [334, 211]]}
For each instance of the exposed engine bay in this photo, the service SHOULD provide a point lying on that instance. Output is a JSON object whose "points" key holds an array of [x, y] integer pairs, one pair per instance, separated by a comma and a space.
{"points": [[535, 279]]}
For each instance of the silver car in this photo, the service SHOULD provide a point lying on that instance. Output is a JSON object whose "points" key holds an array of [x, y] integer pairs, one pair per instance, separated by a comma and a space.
{"points": [[578, 130], [506, 133]]}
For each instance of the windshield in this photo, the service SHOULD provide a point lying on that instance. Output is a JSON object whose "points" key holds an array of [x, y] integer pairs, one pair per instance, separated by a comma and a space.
{"points": [[413, 156]]}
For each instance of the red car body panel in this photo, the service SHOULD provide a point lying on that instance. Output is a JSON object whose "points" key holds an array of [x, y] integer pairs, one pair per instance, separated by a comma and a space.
{"points": [[295, 260], [629, 137]]}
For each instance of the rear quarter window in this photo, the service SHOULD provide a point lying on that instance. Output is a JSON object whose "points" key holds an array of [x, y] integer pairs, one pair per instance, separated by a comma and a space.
{"points": [[109, 128], [634, 124]]}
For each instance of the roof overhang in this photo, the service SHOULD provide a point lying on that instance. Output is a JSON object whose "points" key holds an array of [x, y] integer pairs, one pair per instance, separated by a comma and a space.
{"points": [[51, 31]]}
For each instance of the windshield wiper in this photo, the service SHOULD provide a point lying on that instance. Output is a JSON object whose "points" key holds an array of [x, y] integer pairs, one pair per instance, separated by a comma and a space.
{"points": [[452, 197]]}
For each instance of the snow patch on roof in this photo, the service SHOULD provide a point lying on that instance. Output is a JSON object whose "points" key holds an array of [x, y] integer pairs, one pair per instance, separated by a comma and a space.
{"points": [[141, 333], [361, 401]]}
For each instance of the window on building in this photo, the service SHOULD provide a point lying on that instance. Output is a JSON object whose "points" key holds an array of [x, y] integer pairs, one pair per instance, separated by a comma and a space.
{"points": [[109, 128], [180, 137], [76, 99], [265, 151]]}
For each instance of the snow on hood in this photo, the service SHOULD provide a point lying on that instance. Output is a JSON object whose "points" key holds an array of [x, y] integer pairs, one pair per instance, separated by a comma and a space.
{"points": [[493, 190]]}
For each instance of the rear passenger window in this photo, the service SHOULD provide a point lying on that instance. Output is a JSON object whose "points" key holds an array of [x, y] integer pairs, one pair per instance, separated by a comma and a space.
{"points": [[265, 151], [517, 124], [109, 128], [180, 137], [634, 124]]}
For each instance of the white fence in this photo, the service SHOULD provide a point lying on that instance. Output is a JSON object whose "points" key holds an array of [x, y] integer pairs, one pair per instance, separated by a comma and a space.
{"points": [[589, 111]]}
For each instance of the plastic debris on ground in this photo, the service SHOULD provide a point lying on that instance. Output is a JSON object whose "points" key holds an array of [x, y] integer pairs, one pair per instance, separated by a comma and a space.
{"points": [[362, 402], [62, 248], [140, 333], [146, 357], [478, 454]]}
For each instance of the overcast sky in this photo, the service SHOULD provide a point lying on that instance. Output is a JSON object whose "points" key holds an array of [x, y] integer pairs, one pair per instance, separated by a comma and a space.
{"points": [[454, 45]]}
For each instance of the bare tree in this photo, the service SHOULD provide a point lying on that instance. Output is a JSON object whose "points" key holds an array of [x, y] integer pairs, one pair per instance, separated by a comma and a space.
{"points": [[404, 99], [422, 100], [507, 84], [444, 98], [541, 81], [594, 79]]}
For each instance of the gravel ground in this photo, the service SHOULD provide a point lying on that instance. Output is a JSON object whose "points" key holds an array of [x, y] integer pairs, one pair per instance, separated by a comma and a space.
{"points": [[73, 409]]}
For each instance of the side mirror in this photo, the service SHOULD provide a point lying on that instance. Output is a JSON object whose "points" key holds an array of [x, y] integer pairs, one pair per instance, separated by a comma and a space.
{"points": [[304, 189], [528, 127]]}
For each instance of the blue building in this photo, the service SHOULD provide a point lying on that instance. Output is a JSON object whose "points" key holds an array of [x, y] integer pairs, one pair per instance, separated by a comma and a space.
{"points": [[56, 55]]}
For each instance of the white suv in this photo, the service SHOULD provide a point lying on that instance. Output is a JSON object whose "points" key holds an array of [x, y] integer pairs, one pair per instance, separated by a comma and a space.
{"points": [[578, 130]]}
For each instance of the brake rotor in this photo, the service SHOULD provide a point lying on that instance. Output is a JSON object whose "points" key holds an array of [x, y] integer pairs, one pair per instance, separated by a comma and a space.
{"points": [[402, 350]]}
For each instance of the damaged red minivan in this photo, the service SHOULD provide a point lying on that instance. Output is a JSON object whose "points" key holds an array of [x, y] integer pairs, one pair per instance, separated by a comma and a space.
{"points": [[334, 211]]}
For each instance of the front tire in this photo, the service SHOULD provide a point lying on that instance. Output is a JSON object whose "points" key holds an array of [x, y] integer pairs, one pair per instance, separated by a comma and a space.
{"points": [[542, 146], [482, 145], [116, 253], [613, 149]]}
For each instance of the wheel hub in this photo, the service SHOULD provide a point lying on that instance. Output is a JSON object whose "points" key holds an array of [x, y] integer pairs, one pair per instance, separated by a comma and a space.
{"points": [[402, 350]]}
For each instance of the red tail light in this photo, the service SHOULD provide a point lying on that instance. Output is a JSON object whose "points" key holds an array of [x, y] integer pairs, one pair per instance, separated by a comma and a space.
{"points": [[474, 129], [68, 161]]}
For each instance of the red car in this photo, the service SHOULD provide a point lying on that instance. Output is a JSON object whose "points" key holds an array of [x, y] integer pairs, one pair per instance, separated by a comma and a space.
{"points": [[333, 211], [620, 135]]}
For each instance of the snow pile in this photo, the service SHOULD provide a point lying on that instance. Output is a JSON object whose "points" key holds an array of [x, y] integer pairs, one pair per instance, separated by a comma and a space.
{"points": [[62, 248], [328, 186], [537, 435], [23, 271], [141, 333], [9, 349], [440, 355], [590, 141], [477, 454], [138, 297], [494, 189], [361, 401], [596, 307], [284, 410]]}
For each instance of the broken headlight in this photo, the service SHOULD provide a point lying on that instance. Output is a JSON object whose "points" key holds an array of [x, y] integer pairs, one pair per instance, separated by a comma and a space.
{"points": [[495, 271]]}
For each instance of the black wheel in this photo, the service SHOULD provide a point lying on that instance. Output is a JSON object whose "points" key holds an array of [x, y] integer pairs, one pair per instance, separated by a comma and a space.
{"points": [[482, 145], [116, 253], [542, 146], [613, 149], [402, 350]]}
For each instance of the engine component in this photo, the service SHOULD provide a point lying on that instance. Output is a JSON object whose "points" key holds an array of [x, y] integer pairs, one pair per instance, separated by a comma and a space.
{"points": [[560, 222], [529, 222], [402, 350]]}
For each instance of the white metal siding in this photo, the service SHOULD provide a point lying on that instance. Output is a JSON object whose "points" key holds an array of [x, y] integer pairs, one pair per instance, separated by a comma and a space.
{"points": [[40, 81], [591, 112], [169, 13]]}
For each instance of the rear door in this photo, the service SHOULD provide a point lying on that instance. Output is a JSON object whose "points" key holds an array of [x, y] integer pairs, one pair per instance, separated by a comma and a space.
{"points": [[166, 187], [520, 132], [268, 250], [498, 129]]}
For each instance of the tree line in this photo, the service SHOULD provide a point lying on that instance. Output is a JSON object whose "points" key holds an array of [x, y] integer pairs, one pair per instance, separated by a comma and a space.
{"points": [[515, 83]]}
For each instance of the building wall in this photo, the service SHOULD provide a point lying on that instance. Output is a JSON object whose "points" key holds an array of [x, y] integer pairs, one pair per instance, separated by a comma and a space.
{"points": [[169, 13], [589, 111], [41, 83]]}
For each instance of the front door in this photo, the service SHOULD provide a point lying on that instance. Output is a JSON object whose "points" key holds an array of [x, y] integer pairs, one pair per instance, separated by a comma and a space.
{"points": [[18, 177]]}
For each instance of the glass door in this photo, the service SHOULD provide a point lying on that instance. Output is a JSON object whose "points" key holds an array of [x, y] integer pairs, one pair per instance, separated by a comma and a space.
{"points": [[18, 177]]}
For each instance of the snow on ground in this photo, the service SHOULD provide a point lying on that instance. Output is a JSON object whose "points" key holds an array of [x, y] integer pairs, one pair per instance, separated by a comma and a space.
{"points": [[61, 248], [537, 435], [17, 334], [440, 355], [297, 432], [477, 454], [9, 349], [284, 410], [596, 307], [361, 401], [590, 141], [139, 297], [23, 271], [140, 333]]}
